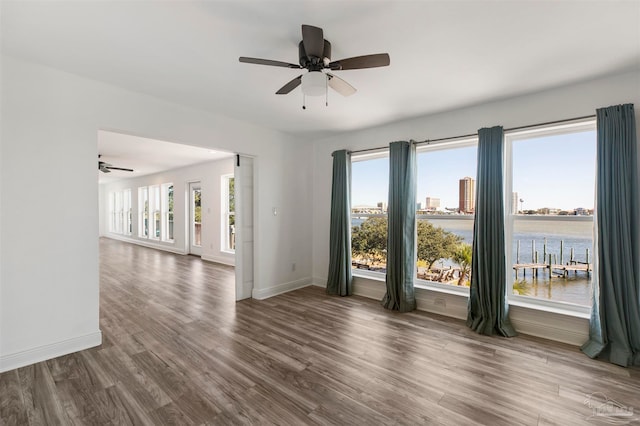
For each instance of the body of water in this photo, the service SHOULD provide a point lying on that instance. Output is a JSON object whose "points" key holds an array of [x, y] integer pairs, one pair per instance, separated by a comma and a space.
{"points": [[536, 234]]}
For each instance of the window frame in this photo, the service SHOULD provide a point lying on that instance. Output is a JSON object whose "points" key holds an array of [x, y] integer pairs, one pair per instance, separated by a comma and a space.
{"points": [[225, 242], [155, 232], [511, 218], [143, 209], [127, 209], [355, 158], [166, 211]]}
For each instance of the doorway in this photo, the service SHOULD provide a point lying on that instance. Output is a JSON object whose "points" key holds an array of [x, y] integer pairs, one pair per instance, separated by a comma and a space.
{"points": [[195, 218]]}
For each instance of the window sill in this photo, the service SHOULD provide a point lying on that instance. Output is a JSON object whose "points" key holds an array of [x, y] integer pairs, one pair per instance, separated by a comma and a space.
{"points": [[576, 311], [442, 288], [231, 252], [570, 310], [363, 273]]}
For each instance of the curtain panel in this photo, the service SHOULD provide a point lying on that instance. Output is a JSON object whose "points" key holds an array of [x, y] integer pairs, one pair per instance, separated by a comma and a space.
{"points": [[488, 308], [339, 281], [614, 332], [401, 238]]}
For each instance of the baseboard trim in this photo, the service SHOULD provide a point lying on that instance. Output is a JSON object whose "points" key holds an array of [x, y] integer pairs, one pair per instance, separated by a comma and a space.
{"points": [[146, 244], [52, 350], [219, 259], [265, 293]]}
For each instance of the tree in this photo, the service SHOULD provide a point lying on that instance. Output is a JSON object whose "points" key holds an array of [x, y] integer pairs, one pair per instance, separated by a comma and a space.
{"points": [[369, 240], [197, 206], [435, 243], [462, 256], [232, 201]]}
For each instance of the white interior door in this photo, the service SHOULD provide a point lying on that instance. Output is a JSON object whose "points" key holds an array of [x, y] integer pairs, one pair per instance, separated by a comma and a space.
{"points": [[243, 175], [195, 218]]}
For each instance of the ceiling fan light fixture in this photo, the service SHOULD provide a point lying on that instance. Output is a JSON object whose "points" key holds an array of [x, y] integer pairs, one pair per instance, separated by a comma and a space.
{"points": [[314, 83]]}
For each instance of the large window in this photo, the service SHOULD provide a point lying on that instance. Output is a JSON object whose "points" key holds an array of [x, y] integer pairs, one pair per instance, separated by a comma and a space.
{"points": [[228, 213], [196, 216], [445, 207], [154, 202], [112, 212], [550, 199], [370, 187], [127, 212], [143, 212], [167, 212], [119, 213]]}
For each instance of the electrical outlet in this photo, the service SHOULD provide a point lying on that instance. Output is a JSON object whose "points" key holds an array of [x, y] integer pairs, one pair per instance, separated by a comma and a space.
{"points": [[439, 301]]}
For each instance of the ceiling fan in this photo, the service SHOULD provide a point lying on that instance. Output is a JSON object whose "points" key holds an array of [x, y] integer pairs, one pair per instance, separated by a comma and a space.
{"points": [[106, 167], [315, 55]]}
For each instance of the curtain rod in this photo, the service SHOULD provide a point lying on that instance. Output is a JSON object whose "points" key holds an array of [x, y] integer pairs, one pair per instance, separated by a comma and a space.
{"points": [[512, 129]]}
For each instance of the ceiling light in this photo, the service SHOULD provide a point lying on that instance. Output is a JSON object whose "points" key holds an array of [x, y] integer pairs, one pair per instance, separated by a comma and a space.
{"points": [[314, 83]]}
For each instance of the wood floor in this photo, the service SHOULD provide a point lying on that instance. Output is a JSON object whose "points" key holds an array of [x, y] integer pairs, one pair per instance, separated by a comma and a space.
{"points": [[177, 349]]}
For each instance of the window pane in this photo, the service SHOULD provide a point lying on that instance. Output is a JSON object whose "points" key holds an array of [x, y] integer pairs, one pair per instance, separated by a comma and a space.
{"points": [[170, 212], [197, 215], [369, 195], [231, 218], [552, 238], [446, 203]]}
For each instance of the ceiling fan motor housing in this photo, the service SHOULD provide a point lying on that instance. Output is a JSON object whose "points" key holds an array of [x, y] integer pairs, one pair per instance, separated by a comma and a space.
{"points": [[311, 62]]}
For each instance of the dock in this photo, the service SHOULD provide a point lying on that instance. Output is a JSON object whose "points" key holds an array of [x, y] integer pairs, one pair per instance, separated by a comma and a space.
{"points": [[553, 270]]}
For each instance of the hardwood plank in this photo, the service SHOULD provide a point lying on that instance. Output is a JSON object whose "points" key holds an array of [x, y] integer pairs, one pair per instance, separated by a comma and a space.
{"points": [[12, 408], [177, 349]]}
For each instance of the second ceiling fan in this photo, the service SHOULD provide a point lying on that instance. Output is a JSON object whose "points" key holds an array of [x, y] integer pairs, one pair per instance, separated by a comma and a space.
{"points": [[315, 55]]}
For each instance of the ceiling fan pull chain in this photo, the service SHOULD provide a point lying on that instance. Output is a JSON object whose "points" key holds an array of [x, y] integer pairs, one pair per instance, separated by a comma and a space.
{"points": [[326, 91], [304, 101]]}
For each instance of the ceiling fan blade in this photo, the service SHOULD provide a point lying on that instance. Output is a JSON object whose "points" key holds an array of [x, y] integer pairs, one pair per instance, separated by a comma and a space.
{"points": [[313, 41], [268, 62], [118, 168], [104, 170], [340, 86], [359, 62], [290, 86]]}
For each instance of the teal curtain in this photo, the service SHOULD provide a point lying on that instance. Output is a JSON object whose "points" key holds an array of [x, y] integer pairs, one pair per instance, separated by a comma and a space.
{"points": [[401, 235], [487, 308], [615, 316], [340, 280]]}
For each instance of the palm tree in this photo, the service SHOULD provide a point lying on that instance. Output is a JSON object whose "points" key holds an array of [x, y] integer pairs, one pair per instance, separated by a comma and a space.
{"points": [[462, 256]]}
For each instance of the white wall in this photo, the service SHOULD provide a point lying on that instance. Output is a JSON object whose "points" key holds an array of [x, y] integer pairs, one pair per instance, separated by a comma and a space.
{"points": [[49, 214], [561, 103], [209, 175]]}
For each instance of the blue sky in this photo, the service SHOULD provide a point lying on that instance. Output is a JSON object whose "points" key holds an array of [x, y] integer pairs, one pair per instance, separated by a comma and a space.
{"points": [[555, 171]]}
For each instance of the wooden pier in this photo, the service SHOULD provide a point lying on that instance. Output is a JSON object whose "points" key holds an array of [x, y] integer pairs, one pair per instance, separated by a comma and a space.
{"points": [[553, 270]]}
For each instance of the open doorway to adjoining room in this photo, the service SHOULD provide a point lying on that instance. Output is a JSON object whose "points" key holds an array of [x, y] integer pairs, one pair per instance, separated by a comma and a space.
{"points": [[176, 198]]}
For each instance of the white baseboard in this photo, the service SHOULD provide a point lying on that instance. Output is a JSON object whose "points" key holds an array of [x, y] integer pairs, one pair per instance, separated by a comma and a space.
{"points": [[219, 259], [319, 281], [265, 293], [547, 325], [53, 350], [148, 244]]}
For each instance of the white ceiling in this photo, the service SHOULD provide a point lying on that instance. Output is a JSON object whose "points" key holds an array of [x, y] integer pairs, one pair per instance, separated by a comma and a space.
{"points": [[444, 54], [147, 156]]}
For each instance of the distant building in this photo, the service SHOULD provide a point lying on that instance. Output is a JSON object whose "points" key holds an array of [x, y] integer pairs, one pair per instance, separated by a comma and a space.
{"points": [[467, 195], [382, 206], [581, 211], [432, 204], [549, 211], [514, 202]]}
